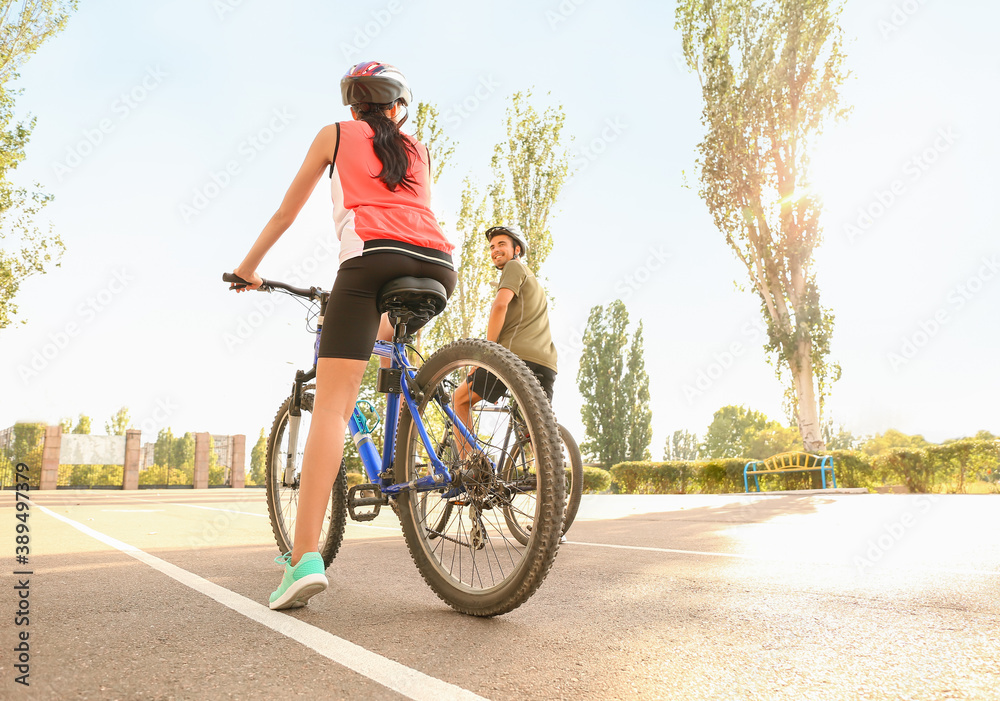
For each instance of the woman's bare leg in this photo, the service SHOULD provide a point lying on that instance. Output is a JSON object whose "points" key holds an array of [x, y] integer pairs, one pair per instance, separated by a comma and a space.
{"points": [[384, 334], [337, 384]]}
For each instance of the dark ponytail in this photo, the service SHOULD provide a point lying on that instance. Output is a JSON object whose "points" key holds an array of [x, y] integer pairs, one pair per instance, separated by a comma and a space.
{"points": [[391, 146]]}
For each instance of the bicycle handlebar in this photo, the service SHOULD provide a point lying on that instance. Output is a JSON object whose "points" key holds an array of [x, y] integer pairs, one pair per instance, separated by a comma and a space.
{"points": [[238, 283]]}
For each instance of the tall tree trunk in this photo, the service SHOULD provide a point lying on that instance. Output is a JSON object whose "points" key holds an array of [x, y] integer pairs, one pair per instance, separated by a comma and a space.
{"points": [[805, 397]]}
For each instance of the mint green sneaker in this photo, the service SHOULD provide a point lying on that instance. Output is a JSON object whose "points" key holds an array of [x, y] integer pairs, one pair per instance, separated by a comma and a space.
{"points": [[301, 582]]}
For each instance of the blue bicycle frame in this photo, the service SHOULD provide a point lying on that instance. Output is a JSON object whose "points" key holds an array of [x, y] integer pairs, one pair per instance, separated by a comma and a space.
{"points": [[377, 467]]}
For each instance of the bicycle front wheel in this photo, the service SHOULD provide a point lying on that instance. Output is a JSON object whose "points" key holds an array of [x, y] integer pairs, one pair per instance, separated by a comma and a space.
{"points": [[283, 471], [457, 535]]}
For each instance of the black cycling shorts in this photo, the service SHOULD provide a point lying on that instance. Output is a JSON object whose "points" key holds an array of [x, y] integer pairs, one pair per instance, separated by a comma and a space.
{"points": [[489, 387], [351, 320]]}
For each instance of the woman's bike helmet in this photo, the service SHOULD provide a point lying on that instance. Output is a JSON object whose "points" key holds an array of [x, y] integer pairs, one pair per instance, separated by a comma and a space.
{"points": [[375, 83]]}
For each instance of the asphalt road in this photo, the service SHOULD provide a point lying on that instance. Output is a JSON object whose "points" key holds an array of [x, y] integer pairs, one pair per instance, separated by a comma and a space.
{"points": [[834, 596]]}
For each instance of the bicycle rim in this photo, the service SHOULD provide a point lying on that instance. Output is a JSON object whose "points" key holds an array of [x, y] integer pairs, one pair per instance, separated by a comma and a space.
{"points": [[458, 535]]}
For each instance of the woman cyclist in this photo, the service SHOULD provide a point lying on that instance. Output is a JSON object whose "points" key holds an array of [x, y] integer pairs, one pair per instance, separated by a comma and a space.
{"points": [[381, 209]]}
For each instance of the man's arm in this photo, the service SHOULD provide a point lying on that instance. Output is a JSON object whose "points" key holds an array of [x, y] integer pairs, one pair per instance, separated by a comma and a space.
{"points": [[498, 313]]}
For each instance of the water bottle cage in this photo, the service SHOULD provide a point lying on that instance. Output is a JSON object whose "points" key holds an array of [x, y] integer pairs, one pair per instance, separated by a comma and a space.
{"points": [[369, 427]]}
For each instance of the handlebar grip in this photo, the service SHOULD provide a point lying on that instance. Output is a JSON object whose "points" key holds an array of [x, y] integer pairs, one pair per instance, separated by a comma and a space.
{"points": [[238, 283]]}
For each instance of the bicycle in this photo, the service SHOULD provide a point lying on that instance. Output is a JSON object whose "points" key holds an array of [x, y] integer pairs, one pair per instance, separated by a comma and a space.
{"points": [[451, 510], [516, 469]]}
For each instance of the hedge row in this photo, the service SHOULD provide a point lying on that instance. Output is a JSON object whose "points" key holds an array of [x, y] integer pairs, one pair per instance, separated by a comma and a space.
{"points": [[940, 468]]}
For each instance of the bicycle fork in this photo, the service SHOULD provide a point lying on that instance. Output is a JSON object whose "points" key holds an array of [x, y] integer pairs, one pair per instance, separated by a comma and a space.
{"points": [[294, 421]]}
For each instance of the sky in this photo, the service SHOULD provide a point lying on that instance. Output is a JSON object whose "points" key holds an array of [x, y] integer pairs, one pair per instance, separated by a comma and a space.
{"points": [[168, 132]]}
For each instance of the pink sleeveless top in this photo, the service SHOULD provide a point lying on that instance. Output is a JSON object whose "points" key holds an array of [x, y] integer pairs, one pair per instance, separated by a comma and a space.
{"points": [[369, 217]]}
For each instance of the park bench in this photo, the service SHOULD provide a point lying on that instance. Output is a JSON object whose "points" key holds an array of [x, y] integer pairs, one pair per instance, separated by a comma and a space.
{"points": [[789, 462]]}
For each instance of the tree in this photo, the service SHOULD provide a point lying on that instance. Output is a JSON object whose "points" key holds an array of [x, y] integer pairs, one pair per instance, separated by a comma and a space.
{"points": [[682, 445], [163, 450], [82, 425], [529, 169], [258, 460], [183, 451], [635, 391], [839, 438], [771, 440], [429, 132], [467, 312], [21, 34], [118, 424], [884, 442], [770, 72], [732, 430], [218, 473], [427, 129], [615, 411], [27, 446]]}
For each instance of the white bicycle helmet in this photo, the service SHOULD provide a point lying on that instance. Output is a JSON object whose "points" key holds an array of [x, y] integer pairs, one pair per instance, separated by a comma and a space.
{"points": [[511, 230]]}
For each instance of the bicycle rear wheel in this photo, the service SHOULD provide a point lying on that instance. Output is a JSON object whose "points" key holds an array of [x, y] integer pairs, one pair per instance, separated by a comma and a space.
{"points": [[283, 471], [457, 535], [518, 473], [573, 462]]}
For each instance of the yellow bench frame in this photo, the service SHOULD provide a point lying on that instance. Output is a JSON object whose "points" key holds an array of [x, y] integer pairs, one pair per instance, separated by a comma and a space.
{"points": [[789, 462]]}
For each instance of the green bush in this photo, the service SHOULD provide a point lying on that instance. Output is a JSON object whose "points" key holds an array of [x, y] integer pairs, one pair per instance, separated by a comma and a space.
{"points": [[654, 477], [721, 475], [948, 467], [679, 477], [908, 467], [595, 480], [957, 463], [853, 469]]}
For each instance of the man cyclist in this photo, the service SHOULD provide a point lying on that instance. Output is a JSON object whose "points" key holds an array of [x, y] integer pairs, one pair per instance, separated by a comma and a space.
{"points": [[519, 321]]}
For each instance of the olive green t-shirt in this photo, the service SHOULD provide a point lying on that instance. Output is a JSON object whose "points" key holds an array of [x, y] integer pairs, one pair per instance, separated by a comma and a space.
{"points": [[525, 329]]}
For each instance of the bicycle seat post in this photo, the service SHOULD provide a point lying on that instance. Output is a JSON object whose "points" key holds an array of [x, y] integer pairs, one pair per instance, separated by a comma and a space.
{"points": [[399, 328], [408, 299]]}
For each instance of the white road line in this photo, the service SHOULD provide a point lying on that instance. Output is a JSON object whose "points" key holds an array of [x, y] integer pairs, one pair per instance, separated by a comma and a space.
{"points": [[390, 674], [135, 511], [668, 550], [987, 573], [247, 513], [228, 511]]}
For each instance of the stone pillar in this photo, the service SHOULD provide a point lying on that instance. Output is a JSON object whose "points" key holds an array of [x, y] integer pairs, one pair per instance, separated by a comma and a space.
{"points": [[49, 477], [237, 456], [202, 441], [130, 473]]}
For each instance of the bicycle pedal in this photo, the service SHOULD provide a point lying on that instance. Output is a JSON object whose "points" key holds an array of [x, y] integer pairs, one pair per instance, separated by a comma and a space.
{"points": [[375, 502]]}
